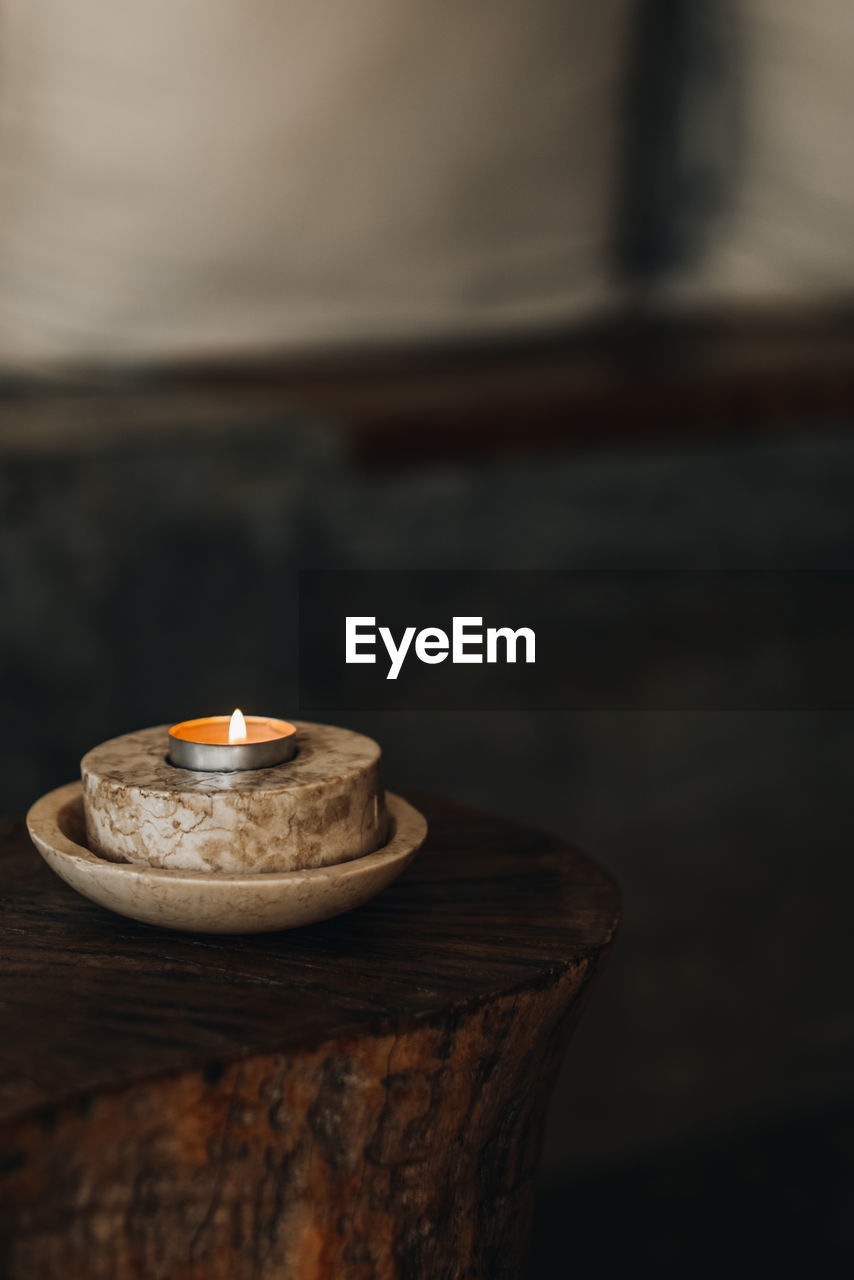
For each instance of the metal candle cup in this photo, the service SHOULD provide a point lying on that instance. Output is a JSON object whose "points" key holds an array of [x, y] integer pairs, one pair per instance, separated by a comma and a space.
{"points": [[205, 745]]}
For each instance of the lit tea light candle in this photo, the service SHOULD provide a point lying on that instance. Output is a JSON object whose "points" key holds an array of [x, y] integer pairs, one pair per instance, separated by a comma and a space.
{"points": [[224, 744]]}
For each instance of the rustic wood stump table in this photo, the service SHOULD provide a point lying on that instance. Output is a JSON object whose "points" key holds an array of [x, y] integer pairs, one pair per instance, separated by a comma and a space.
{"points": [[358, 1100]]}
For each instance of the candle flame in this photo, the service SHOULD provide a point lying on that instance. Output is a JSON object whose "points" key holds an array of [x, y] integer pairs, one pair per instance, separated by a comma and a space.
{"points": [[237, 726]]}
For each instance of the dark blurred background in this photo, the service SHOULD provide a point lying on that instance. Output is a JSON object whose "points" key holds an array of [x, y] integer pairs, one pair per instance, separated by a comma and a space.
{"points": [[518, 286]]}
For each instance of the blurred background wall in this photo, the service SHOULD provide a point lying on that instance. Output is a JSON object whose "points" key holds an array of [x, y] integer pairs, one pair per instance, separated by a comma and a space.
{"points": [[348, 286], [212, 178]]}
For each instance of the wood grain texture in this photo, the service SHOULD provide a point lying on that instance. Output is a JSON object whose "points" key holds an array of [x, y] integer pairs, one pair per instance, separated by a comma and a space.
{"points": [[363, 1098]]}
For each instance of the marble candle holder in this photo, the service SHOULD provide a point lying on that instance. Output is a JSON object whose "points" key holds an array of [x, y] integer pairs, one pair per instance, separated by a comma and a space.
{"points": [[228, 852], [211, 902], [324, 806]]}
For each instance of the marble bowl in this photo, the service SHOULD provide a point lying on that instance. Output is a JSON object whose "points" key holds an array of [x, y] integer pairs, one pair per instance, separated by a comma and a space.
{"points": [[212, 902]]}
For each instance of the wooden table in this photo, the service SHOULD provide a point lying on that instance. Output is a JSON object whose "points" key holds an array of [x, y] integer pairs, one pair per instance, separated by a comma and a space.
{"points": [[358, 1100]]}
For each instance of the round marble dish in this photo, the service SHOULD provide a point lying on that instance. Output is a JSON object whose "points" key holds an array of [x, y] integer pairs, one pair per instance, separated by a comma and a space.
{"points": [[211, 902]]}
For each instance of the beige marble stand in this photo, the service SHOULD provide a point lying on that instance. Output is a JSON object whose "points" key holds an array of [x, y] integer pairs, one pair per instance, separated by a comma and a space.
{"points": [[212, 902], [325, 806]]}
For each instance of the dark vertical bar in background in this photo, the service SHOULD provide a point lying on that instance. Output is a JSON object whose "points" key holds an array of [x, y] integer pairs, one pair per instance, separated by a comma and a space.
{"points": [[680, 133]]}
